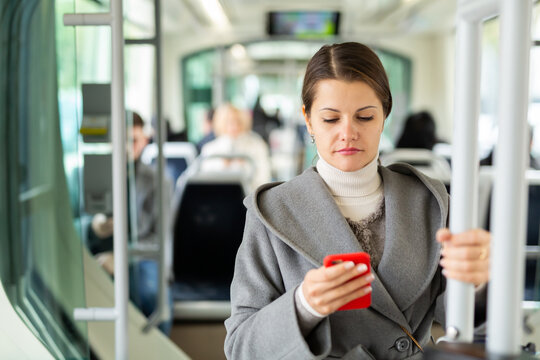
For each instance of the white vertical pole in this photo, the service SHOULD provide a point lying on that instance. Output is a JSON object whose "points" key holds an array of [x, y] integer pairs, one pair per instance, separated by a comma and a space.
{"points": [[509, 210], [464, 186], [118, 134], [118, 314], [163, 192]]}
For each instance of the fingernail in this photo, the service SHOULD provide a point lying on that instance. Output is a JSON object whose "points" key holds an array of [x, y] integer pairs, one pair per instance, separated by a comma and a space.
{"points": [[370, 277], [349, 265], [368, 289], [361, 268], [444, 272]]}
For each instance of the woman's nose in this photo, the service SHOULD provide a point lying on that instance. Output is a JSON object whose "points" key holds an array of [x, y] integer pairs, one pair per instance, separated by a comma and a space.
{"points": [[348, 130]]}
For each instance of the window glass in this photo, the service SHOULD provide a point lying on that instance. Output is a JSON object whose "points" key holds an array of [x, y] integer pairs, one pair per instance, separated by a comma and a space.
{"points": [[43, 253], [197, 73], [534, 107], [139, 19], [489, 87], [140, 85], [398, 69]]}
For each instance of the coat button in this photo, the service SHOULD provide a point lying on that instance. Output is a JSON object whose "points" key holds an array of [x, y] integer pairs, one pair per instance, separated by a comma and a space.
{"points": [[402, 344]]}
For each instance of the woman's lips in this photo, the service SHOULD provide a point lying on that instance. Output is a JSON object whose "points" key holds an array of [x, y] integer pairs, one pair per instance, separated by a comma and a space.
{"points": [[348, 151]]}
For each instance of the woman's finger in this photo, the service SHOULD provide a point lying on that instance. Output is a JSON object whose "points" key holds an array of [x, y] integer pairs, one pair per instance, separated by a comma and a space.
{"points": [[337, 272], [322, 301], [319, 281], [336, 304], [472, 237], [464, 265], [319, 289], [466, 252], [476, 278], [443, 235]]}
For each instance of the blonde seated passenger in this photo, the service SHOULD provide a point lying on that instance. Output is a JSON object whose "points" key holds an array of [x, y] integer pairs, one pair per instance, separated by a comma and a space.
{"points": [[284, 302], [234, 137]]}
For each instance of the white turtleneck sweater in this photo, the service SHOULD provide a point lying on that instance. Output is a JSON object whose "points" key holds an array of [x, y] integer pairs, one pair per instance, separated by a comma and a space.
{"points": [[358, 195]]}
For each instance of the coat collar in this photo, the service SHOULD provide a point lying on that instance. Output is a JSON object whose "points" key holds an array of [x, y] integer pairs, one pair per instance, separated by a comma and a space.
{"points": [[303, 214]]}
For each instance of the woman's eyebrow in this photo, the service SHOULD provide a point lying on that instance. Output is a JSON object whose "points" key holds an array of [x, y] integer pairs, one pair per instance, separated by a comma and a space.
{"points": [[328, 109], [357, 110], [366, 107]]}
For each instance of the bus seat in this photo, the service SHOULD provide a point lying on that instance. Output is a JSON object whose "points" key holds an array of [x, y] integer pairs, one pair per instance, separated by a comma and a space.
{"points": [[532, 267], [424, 160], [532, 262], [178, 156], [208, 227]]}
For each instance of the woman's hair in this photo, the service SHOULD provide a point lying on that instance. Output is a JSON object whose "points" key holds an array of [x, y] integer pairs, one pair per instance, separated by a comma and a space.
{"points": [[227, 112], [419, 132], [349, 62]]}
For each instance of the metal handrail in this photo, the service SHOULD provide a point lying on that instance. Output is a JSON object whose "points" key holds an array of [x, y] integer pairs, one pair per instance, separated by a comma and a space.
{"points": [[118, 313]]}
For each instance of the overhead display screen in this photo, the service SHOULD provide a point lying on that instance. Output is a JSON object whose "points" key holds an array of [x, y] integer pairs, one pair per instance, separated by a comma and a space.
{"points": [[303, 24]]}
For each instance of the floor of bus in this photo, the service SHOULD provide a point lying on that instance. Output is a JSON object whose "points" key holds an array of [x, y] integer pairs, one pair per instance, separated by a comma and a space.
{"points": [[200, 340]]}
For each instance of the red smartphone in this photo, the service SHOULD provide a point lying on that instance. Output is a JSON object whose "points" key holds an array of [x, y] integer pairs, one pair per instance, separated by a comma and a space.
{"points": [[357, 258]]}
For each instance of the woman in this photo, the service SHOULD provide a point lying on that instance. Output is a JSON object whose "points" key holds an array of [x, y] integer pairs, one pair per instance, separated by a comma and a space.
{"points": [[234, 137], [284, 303]]}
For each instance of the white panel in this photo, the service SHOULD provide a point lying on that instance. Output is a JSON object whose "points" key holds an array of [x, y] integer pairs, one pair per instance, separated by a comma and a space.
{"points": [[17, 342]]}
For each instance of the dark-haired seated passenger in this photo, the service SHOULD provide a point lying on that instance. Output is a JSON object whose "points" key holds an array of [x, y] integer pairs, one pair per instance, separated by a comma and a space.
{"points": [[143, 273], [419, 132]]}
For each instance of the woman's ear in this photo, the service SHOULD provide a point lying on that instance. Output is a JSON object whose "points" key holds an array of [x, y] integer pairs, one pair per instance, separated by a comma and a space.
{"points": [[306, 119]]}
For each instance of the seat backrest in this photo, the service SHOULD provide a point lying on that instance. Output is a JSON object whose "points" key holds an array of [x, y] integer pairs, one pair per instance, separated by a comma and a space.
{"points": [[533, 218], [178, 155], [532, 264], [424, 160], [208, 228]]}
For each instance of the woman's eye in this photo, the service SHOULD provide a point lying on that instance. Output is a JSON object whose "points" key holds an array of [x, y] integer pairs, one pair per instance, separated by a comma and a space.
{"points": [[330, 120], [365, 118]]}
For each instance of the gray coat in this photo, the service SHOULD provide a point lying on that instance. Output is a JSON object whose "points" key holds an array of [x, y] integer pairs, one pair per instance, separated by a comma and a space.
{"points": [[291, 227]]}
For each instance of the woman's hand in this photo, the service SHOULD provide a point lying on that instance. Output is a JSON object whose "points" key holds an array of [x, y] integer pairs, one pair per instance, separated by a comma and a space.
{"points": [[326, 289], [465, 256]]}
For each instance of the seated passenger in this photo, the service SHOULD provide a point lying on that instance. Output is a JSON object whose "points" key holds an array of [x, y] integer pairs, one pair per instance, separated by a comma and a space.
{"points": [[234, 137], [144, 273], [419, 132], [208, 130], [284, 302], [415, 147]]}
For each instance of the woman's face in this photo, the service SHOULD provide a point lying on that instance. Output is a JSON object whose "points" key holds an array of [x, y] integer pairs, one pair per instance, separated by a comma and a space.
{"points": [[347, 120], [233, 124]]}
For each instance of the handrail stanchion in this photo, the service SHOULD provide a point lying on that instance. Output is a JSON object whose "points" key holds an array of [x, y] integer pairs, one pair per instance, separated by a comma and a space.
{"points": [[118, 314], [162, 311], [118, 134], [464, 185], [509, 199]]}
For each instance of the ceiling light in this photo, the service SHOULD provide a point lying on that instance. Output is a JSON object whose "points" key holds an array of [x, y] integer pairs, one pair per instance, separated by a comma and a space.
{"points": [[238, 51], [215, 13]]}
